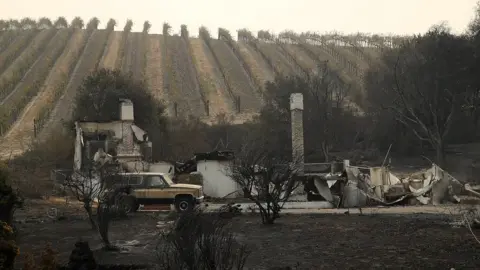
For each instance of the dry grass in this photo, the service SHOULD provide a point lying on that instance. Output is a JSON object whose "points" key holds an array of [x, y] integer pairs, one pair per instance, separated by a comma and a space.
{"points": [[6, 38], [234, 118], [332, 63], [273, 53], [21, 134], [185, 90], [175, 92], [138, 58], [261, 74], [12, 49], [237, 77], [128, 53], [208, 79], [374, 53], [352, 57], [302, 58], [113, 45], [32, 47], [86, 64], [154, 71]]}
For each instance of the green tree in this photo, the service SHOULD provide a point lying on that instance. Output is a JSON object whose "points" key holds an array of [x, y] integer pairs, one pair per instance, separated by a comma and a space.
{"points": [[44, 23], [77, 22], [474, 25], [61, 22], [9, 199], [166, 29], [15, 24], [28, 23], [93, 23], [4, 25], [99, 96], [146, 27], [111, 24], [184, 31], [128, 26]]}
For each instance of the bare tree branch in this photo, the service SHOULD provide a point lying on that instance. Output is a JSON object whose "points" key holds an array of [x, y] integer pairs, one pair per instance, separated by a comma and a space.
{"points": [[265, 180]]}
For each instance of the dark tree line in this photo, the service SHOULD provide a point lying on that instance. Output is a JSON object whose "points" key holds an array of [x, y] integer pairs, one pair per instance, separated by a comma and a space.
{"points": [[427, 90]]}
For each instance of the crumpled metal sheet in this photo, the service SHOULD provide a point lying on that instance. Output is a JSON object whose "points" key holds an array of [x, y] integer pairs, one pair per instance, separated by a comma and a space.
{"points": [[469, 188], [353, 195], [323, 189], [138, 132], [434, 179]]}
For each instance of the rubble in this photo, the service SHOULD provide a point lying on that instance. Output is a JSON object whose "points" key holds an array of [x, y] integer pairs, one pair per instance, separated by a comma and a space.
{"points": [[471, 217], [431, 186], [355, 186], [352, 186]]}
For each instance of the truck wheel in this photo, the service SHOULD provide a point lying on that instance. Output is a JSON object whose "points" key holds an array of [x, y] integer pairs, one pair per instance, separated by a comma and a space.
{"points": [[183, 203]]}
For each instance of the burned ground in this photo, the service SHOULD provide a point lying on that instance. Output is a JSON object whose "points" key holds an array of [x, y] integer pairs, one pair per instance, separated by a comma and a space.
{"points": [[362, 242], [315, 241]]}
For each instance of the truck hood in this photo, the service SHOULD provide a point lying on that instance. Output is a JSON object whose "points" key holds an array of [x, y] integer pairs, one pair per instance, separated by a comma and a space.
{"points": [[186, 186]]}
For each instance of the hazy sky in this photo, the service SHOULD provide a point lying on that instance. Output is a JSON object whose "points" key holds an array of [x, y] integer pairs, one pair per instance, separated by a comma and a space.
{"points": [[348, 16]]}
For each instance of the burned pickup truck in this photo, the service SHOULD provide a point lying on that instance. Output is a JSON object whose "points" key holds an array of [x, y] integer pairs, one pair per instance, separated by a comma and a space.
{"points": [[151, 188]]}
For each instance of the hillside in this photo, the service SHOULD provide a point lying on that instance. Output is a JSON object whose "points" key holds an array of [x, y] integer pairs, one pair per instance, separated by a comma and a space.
{"points": [[41, 69]]}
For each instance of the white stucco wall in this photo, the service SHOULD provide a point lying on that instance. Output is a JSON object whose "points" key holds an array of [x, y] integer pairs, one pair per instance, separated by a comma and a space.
{"points": [[162, 167], [216, 182]]}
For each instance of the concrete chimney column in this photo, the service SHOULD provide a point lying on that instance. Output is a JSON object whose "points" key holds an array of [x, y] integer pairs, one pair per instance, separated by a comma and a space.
{"points": [[298, 151], [127, 118]]}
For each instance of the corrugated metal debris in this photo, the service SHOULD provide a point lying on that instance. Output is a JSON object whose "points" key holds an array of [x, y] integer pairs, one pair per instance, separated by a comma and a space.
{"points": [[378, 184]]}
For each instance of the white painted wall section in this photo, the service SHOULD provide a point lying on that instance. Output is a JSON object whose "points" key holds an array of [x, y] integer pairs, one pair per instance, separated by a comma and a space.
{"points": [[163, 167], [216, 182]]}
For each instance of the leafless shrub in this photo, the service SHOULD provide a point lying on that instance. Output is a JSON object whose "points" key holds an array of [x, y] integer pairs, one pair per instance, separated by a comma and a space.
{"points": [[467, 216], [266, 181], [109, 208], [471, 219], [198, 240], [86, 185], [107, 211], [103, 218]]}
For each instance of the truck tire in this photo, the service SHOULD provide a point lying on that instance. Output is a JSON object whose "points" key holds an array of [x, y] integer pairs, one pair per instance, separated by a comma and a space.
{"points": [[184, 203]]}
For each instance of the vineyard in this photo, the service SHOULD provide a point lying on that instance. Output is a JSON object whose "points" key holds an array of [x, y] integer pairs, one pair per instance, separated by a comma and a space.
{"points": [[42, 64]]}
